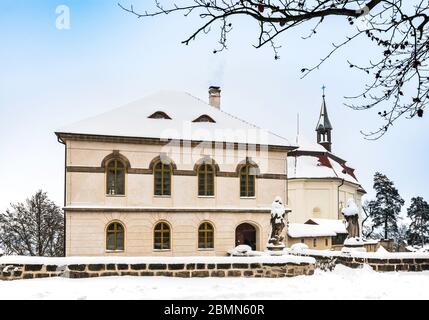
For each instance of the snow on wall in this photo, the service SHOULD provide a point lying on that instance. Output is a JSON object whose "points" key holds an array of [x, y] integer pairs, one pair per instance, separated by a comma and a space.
{"points": [[155, 260]]}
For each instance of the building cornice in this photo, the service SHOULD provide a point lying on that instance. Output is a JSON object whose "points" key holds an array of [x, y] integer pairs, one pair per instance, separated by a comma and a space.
{"points": [[166, 210], [158, 141]]}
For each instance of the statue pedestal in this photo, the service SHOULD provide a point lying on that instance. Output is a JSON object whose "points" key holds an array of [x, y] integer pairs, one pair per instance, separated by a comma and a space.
{"points": [[275, 247], [275, 250], [354, 244]]}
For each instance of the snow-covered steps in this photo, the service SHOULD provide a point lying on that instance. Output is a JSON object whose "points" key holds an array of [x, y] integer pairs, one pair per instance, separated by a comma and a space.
{"points": [[16, 267]]}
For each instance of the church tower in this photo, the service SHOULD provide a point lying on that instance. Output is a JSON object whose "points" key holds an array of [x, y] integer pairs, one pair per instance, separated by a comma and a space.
{"points": [[324, 127]]}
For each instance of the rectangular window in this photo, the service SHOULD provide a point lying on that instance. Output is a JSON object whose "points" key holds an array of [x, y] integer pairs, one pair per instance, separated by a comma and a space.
{"points": [[315, 243]]}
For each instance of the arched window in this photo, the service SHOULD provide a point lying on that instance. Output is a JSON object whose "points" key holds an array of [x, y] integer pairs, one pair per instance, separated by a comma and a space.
{"points": [[206, 236], [247, 181], [162, 237], [115, 177], [206, 174], [115, 236], [162, 179]]}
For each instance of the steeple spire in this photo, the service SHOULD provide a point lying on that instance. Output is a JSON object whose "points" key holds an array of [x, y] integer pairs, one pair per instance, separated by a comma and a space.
{"points": [[324, 126]]}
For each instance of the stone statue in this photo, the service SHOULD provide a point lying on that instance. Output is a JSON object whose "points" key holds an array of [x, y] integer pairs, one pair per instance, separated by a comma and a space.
{"points": [[351, 214], [278, 213]]}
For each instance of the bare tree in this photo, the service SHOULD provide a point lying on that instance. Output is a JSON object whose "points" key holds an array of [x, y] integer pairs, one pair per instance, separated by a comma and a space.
{"points": [[398, 79], [33, 228]]}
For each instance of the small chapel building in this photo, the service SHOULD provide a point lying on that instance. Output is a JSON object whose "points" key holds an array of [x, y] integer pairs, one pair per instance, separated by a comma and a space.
{"points": [[172, 175]]}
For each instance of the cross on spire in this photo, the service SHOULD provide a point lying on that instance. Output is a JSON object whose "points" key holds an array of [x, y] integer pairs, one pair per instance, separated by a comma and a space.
{"points": [[323, 89]]}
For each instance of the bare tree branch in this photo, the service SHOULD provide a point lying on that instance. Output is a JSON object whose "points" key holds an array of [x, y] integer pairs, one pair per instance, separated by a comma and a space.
{"points": [[398, 84]]}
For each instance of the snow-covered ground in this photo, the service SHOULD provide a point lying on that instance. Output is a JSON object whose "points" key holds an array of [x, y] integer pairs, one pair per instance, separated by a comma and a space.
{"points": [[342, 283]]}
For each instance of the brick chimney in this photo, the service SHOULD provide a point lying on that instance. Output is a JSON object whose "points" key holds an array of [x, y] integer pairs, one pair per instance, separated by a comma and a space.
{"points": [[214, 96]]}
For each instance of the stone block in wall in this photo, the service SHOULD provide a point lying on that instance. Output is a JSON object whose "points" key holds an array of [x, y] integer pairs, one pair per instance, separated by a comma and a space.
{"points": [[401, 267], [425, 267], [255, 266], [164, 274], [234, 273], [96, 267], [240, 266], [408, 261], [77, 267], [122, 266], [17, 274], [211, 266], [28, 276], [415, 267], [394, 261], [375, 261], [51, 268], [111, 267], [42, 275], [190, 266], [33, 267], [201, 266], [248, 273], [218, 273], [183, 274], [200, 274], [223, 266], [138, 267], [385, 267], [421, 261], [176, 266], [129, 273], [157, 267], [109, 274], [78, 275], [147, 273]]}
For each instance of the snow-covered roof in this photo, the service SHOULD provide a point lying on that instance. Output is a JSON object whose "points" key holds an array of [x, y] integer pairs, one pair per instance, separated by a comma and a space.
{"points": [[300, 230], [309, 166], [132, 120], [337, 226]]}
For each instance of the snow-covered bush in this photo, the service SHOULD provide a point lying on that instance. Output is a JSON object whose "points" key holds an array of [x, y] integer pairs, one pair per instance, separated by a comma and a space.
{"points": [[241, 250], [299, 247]]}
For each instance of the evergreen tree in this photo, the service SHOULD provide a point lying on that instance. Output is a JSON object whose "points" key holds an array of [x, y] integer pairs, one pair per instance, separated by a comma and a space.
{"points": [[418, 212], [384, 210], [34, 228]]}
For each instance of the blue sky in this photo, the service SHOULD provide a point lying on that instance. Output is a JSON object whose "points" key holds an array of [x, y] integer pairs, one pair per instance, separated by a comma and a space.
{"points": [[50, 78]]}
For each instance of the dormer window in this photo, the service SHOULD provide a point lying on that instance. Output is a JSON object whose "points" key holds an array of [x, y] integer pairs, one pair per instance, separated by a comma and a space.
{"points": [[204, 118], [160, 115]]}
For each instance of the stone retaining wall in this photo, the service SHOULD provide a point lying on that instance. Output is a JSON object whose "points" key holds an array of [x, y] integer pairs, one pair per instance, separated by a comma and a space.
{"points": [[325, 262], [183, 270]]}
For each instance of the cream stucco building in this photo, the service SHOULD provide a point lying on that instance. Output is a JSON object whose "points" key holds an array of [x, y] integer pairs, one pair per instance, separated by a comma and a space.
{"points": [[173, 175]]}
